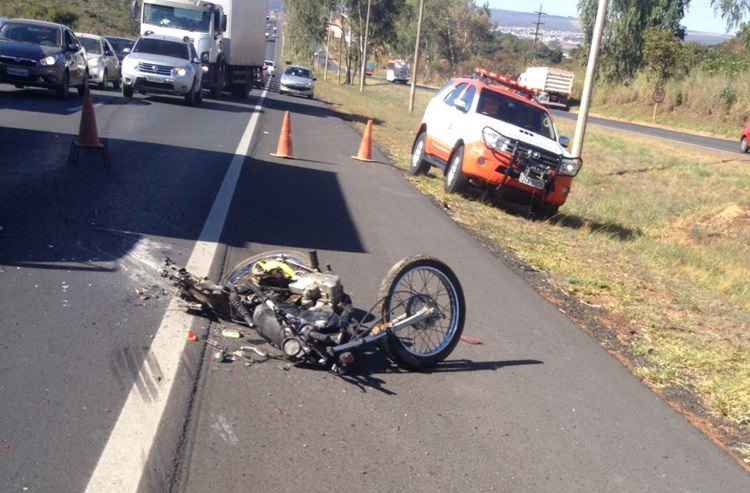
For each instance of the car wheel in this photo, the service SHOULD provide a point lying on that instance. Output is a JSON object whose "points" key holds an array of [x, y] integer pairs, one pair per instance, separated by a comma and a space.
{"points": [[199, 97], [127, 91], [455, 180], [84, 85], [190, 96], [744, 145], [418, 164], [116, 84], [64, 89], [105, 80]]}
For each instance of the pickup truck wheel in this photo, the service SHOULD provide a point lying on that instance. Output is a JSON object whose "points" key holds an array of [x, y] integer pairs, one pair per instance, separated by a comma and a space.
{"points": [[84, 85], [744, 145], [127, 91], [105, 80], [116, 84], [418, 164], [190, 97], [542, 210], [455, 180]]}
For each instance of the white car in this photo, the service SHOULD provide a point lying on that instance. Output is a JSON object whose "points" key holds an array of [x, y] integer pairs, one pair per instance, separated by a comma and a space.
{"points": [[297, 81], [270, 67], [163, 65], [104, 66]]}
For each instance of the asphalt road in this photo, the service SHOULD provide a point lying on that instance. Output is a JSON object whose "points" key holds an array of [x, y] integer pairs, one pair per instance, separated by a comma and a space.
{"points": [[538, 407]]}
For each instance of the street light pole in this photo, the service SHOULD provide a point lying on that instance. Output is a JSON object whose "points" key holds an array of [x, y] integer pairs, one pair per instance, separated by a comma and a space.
{"points": [[413, 89], [364, 50], [588, 85]]}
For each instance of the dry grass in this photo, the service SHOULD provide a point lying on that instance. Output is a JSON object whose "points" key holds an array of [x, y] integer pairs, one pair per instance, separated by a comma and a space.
{"points": [[709, 104], [657, 235]]}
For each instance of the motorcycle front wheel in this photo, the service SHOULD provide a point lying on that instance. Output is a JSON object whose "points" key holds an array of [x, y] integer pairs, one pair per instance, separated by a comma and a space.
{"points": [[411, 285]]}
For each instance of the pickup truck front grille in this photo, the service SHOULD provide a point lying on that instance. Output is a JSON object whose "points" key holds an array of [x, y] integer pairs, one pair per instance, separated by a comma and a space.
{"points": [[534, 154], [152, 68]]}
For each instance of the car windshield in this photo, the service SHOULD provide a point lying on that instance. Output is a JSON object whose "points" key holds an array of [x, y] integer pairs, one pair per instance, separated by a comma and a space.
{"points": [[119, 44], [92, 46], [298, 72], [161, 47], [31, 33], [510, 110], [177, 18]]}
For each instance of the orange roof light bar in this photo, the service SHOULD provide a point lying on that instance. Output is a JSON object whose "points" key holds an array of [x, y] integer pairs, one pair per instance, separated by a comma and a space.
{"points": [[509, 83]]}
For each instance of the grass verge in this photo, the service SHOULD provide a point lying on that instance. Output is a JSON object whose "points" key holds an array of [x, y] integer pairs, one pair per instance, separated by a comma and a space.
{"points": [[655, 240]]}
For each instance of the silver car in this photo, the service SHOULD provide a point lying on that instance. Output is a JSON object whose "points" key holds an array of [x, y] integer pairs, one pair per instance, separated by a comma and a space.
{"points": [[163, 65], [104, 66], [297, 81]]}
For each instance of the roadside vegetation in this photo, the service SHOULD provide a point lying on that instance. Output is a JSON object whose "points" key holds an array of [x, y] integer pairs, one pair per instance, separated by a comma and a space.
{"points": [[110, 17], [654, 239]]}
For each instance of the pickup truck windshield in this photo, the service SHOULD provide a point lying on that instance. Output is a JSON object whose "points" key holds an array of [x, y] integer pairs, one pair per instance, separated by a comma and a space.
{"points": [[509, 110], [161, 47], [91, 45], [30, 33], [177, 18]]}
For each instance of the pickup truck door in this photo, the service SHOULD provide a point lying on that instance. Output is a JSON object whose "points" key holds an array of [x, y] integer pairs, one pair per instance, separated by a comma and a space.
{"points": [[439, 124], [460, 117]]}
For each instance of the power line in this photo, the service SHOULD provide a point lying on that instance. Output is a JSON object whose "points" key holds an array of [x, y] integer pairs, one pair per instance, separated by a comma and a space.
{"points": [[539, 24]]}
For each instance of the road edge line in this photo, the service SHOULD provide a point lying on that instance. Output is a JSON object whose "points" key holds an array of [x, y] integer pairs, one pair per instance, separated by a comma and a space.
{"points": [[123, 459]]}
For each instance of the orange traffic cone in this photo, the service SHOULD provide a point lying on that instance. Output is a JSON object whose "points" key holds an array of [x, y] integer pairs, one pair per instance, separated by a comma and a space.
{"points": [[365, 148], [88, 136], [285, 149]]}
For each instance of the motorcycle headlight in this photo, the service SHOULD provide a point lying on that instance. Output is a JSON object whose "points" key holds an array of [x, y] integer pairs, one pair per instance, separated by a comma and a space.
{"points": [[497, 141], [570, 166], [48, 61], [180, 72]]}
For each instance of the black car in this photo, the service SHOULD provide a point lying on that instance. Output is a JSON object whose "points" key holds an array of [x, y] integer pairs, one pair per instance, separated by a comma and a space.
{"points": [[42, 54], [122, 46]]}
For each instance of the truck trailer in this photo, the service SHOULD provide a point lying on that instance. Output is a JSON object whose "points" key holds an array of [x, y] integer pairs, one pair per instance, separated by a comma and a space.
{"points": [[554, 86]]}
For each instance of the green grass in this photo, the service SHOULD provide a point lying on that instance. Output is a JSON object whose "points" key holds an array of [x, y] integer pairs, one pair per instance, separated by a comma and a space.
{"points": [[657, 235], [107, 17]]}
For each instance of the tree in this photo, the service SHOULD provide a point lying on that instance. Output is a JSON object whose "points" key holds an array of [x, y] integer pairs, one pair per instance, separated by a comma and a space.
{"points": [[307, 21], [627, 23], [733, 12]]}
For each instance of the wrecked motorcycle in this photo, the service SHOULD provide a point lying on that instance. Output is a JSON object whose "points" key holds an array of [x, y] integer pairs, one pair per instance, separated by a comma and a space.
{"points": [[306, 314]]}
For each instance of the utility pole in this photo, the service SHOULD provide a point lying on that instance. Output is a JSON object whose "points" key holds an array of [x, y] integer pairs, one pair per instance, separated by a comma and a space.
{"points": [[364, 50], [328, 45], [539, 24], [588, 85], [413, 90]]}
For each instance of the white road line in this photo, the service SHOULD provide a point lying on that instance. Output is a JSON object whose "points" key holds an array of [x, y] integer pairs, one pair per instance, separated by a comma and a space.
{"points": [[123, 459]]}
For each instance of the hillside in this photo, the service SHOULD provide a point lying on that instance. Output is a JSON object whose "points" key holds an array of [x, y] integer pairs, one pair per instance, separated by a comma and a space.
{"points": [[512, 18], [97, 16]]}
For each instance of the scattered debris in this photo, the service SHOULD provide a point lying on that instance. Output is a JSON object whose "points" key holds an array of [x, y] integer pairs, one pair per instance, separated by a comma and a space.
{"points": [[474, 341], [231, 333], [191, 336]]}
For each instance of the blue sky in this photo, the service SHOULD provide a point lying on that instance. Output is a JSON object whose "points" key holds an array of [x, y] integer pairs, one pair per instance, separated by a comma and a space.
{"points": [[700, 16]]}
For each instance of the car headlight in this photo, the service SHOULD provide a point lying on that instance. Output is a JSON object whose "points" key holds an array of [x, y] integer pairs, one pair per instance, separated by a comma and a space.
{"points": [[570, 166], [180, 72], [48, 61], [93, 62], [497, 141]]}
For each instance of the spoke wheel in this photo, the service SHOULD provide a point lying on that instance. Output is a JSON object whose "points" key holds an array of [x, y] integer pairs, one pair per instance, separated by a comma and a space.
{"points": [[411, 286]]}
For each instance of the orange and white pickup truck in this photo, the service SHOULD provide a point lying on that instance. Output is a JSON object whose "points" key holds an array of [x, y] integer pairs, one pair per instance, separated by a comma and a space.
{"points": [[490, 131]]}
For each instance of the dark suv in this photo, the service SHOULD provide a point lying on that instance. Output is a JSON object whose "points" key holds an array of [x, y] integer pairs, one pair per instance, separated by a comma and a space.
{"points": [[41, 54]]}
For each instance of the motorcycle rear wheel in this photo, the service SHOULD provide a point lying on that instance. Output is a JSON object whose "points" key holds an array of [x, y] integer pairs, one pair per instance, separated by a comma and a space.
{"points": [[410, 285]]}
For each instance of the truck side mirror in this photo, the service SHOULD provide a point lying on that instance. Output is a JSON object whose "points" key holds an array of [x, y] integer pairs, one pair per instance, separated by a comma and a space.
{"points": [[223, 23], [564, 141]]}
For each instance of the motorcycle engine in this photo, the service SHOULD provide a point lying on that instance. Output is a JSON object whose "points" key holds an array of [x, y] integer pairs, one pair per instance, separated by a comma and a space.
{"points": [[313, 298]]}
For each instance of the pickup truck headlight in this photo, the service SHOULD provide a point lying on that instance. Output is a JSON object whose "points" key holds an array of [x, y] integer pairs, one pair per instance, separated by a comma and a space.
{"points": [[570, 166], [180, 72], [48, 61], [497, 141]]}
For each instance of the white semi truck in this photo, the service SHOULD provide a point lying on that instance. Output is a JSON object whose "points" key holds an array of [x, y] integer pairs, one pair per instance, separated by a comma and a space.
{"points": [[227, 35], [553, 85]]}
